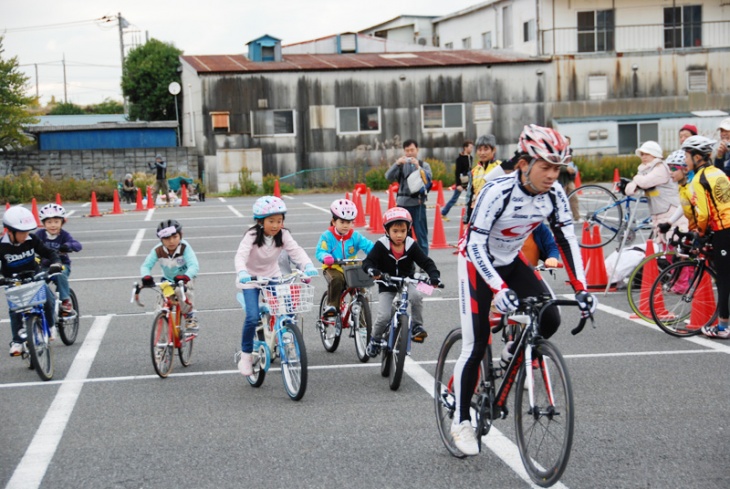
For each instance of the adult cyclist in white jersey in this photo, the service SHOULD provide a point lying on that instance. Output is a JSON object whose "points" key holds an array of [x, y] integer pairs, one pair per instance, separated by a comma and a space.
{"points": [[491, 267]]}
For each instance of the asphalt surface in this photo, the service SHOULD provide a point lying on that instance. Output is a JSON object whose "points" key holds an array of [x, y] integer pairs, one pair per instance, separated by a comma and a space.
{"points": [[650, 408]]}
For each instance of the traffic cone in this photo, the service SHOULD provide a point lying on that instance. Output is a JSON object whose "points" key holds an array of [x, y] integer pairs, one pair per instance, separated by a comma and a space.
{"points": [[360, 218], [277, 190], [462, 226], [440, 196], [439, 238], [150, 200], [703, 304], [616, 179], [7, 205], [116, 209], [347, 195], [58, 199], [94, 206], [391, 197], [368, 201], [586, 240], [578, 183], [373, 215], [139, 207], [596, 277], [648, 277], [34, 209], [184, 192], [378, 214]]}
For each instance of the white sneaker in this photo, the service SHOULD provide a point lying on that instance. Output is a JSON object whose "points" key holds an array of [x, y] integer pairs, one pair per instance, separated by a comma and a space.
{"points": [[16, 349], [245, 364], [465, 438], [54, 333]]}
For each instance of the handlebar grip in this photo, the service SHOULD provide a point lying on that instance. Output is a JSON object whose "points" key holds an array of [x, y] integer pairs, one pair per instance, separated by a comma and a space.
{"points": [[580, 326]]}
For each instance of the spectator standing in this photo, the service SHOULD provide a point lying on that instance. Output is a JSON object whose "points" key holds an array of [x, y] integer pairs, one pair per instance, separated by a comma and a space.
{"points": [[461, 175], [722, 151], [486, 147], [409, 197], [687, 131], [160, 166], [566, 178]]}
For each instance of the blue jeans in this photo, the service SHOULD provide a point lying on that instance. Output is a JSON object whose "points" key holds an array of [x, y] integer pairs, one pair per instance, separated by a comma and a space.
{"points": [[249, 299], [16, 318], [420, 225], [64, 291], [451, 202]]}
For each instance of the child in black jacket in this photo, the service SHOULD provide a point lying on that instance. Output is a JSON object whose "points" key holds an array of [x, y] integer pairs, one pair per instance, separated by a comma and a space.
{"points": [[395, 255]]}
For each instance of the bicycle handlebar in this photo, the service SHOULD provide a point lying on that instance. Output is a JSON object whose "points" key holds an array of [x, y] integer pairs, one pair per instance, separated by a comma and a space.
{"points": [[530, 304], [27, 277], [138, 288], [284, 279], [417, 277]]}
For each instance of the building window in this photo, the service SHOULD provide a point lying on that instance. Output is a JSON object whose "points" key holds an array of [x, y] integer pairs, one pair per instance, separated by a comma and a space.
{"points": [[597, 87], [528, 31], [273, 123], [683, 27], [442, 116], [595, 31], [449, 45], [466, 43], [630, 136], [221, 121], [487, 40], [353, 120]]}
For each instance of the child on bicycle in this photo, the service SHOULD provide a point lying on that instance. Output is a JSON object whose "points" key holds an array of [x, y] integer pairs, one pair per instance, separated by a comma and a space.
{"points": [[339, 242], [18, 251], [53, 217], [395, 254], [178, 263], [258, 256]]}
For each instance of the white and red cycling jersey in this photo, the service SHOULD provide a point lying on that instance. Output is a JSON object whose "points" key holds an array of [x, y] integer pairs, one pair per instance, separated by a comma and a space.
{"points": [[504, 216]]}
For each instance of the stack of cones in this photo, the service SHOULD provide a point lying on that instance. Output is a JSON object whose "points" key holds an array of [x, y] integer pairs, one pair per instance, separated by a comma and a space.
{"points": [[439, 238], [94, 206], [150, 200], [34, 209], [117, 209], [277, 189], [648, 276], [360, 218], [596, 276], [139, 206]]}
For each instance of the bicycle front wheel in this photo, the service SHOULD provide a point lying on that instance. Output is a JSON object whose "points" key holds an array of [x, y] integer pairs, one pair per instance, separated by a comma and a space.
{"points": [[161, 345], [444, 397], [363, 329], [598, 207], [683, 299], [328, 328], [39, 347], [545, 430], [641, 279], [293, 361], [185, 350], [68, 327], [398, 353]]}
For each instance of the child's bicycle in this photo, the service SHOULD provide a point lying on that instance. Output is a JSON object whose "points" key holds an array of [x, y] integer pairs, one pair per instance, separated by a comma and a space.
{"points": [[354, 312], [544, 413], [168, 329], [66, 323], [396, 343], [278, 334], [26, 294]]}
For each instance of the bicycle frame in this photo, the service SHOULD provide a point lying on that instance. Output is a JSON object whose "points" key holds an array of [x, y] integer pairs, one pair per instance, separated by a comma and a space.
{"points": [[273, 329], [401, 309]]}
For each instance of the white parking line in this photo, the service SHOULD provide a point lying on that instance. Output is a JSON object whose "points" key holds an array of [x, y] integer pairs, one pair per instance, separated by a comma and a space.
{"points": [[233, 209], [149, 215], [136, 243], [32, 467], [317, 207]]}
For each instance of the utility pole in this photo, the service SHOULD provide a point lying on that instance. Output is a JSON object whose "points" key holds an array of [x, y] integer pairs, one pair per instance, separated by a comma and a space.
{"points": [[36, 80], [65, 95], [120, 23]]}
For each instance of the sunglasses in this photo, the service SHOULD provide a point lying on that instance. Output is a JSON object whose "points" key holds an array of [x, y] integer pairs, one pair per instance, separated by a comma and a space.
{"points": [[677, 168]]}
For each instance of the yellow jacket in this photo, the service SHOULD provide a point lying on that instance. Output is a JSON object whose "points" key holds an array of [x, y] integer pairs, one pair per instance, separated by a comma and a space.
{"points": [[477, 178], [710, 189]]}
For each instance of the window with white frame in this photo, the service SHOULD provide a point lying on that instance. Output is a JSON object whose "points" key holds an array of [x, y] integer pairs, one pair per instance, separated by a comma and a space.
{"points": [[354, 120], [466, 43], [442, 116], [683, 26], [273, 123], [529, 32], [596, 30], [487, 40], [632, 135]]}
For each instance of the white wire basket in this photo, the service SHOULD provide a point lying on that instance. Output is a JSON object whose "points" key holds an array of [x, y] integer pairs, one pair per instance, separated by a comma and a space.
{"points": [[26, 295], [288, 298]]}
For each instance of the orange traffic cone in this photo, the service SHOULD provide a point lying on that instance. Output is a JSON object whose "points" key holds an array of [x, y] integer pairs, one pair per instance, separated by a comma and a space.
{"points": [[94, 206], [439, 238], [372, 213], [703, 305], [150, 200], [7, 205], [391, 197], [378, 215], [34, 209], [117, 209], [648, 276], [277, 190], [586, 240], [360, 218], [440, 196], [368, 202], [616, 179], [184, 192], [596, 277], [462, 225], [347, 195], [58, 199], [139, 207], [578, 183]]}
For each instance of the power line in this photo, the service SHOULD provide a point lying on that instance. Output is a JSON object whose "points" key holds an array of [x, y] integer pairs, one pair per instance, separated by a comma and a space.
{"points": [[59, 25]]}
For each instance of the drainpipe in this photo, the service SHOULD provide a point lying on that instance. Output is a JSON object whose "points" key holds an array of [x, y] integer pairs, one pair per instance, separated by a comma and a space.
{"points": [[192, 118]]}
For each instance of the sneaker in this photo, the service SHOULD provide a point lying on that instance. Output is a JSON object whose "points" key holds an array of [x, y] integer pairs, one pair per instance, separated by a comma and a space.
{"points": [[373, 347], [465, 438], [191, 323], [507, 354], [16, 349], [245, 364], [67, 306], [54, 333], [445, 218], [329, 311], [716, 332], [418, 334]]}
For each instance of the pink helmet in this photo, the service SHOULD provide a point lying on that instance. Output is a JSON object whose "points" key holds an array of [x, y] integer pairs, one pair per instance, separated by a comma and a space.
{"points": [[268, 206], [543, 143], [344, 209], [397, 214]]}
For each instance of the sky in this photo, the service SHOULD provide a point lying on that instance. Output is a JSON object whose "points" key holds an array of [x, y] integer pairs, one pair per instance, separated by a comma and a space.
{"points": [[41, 33]]}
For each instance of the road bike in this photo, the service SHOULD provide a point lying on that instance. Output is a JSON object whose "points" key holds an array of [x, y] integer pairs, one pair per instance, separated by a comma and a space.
{"points": [[353, 314], [543, 404], [26, 293], [396, 342], [613, 216], [168, 329], [278, 334]]}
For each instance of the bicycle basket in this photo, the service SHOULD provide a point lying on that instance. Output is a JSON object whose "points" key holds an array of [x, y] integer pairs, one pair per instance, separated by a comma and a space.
{"points": [[26, 295], [356, 277], [289, 298]]}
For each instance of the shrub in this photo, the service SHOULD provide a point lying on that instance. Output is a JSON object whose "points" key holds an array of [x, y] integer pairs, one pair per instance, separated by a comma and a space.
{"points": [[601, 168], [245, 184], [375, 178], [270, 180], [440, 171]]}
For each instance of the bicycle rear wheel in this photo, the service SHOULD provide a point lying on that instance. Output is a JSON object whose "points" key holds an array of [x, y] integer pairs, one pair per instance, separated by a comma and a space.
{"points": [[641, 279], [39, 347], [328, 330], [68, 327], [398, 353], [545, 431], [683, 299], [363, 329], [161, 346], [444, 398], [260, 358], [293, 361], [598, 207]]}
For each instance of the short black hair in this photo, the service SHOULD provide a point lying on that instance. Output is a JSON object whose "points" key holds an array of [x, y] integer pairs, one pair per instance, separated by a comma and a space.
{"points": [[409, 142]]}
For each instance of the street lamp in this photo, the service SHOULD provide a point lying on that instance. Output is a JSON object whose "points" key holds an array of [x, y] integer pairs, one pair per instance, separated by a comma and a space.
{"points": [[174, 89]]}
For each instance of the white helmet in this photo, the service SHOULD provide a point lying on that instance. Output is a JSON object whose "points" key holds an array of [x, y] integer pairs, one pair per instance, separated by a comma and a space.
{"points": [[699, 145], [268, 206], [19, 218], [52, 210], [344, 209], [676, 158]]}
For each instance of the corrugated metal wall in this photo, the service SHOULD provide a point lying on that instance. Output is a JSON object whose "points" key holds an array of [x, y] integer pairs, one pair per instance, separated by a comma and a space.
{"points": [[108, 139]]}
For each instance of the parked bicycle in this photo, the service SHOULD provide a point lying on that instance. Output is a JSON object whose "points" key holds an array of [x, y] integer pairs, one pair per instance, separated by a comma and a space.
{"points": [[396, 342], [353, 314], [168, 327], [544, 410], [278, 334], [614, 217], [26, 294]]}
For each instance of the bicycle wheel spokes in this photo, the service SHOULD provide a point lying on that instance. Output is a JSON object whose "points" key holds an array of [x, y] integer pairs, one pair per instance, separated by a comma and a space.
{"points": [[185, 351], [398, 353], [641, 279], [39, 348], [544, 429], [328, 327], [444, 400], [598, 207], [363, 329], [161, 346], [293, 362], [68, 327]]}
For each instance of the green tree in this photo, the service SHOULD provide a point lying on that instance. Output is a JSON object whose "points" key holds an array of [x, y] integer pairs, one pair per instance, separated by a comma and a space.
{"points": [[108, 106], [148, 70], [13, 104], [66, 108]]}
